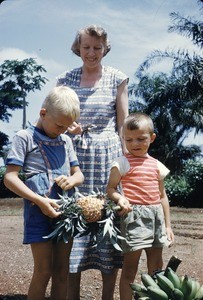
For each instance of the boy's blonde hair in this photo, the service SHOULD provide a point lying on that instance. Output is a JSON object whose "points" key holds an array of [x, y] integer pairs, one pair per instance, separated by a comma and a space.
{"points": [[62, 99], [137, 120]]}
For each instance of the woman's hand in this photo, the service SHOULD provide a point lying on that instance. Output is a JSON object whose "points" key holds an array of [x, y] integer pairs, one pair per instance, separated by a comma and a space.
{"points": [[75, 128]]}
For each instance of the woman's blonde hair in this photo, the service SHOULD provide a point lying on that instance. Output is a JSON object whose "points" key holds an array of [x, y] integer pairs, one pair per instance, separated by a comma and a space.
{"points": [[92, 30], [62, 99]]}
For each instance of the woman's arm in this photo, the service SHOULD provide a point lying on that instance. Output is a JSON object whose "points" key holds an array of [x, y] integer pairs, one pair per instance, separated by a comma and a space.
{"points": [[122, 108]]}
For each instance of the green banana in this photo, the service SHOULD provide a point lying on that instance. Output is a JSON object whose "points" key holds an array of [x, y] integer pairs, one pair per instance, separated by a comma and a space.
{"points": [[173, 277], [199, 294], [139, 289], [181, 279], [147, 280], [186, 287], [165, 284], [195, 288], [198, 285], [157, 293], [177, 294]]}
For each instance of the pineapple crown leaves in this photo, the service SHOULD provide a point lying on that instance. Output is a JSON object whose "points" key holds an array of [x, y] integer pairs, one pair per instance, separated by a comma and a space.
{"points": [[111, 230], [72, 222]]}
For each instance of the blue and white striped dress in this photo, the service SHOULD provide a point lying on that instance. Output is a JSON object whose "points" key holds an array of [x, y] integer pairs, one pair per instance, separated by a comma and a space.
{"points": [[95, 150]]}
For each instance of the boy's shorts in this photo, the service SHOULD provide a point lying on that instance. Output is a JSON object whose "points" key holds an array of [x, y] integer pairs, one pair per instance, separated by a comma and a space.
{"points": [[36, 224], [144, 227]]}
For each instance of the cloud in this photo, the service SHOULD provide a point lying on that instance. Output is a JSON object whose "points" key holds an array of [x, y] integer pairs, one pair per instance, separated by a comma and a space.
{"points": [[45, 31], [15, 53]]}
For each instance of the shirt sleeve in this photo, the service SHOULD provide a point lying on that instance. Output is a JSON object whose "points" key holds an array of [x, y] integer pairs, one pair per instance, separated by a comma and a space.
{"points": [[71, 152], [122, 164], [120, 77], [61, 79], [17, 153], [163, 170]]}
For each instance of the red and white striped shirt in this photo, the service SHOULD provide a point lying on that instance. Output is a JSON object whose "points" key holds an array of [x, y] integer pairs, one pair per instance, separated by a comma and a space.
{"points": [[140, 178]]}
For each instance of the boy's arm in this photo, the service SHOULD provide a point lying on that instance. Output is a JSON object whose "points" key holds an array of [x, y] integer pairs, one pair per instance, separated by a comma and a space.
{"points": [[114, 180], [166, 210], [68, 182], [16, 185]]}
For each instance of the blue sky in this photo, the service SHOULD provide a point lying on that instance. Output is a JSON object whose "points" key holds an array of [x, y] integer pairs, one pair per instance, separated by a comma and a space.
{"points": [[45, 29]]}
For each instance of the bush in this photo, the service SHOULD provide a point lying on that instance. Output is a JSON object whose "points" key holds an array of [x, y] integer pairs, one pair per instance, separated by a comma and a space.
{"points": [[186, 189], [4, 191]]}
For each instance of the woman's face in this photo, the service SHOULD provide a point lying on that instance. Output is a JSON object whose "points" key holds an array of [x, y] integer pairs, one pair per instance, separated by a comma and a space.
{"points": [[91, 50]]}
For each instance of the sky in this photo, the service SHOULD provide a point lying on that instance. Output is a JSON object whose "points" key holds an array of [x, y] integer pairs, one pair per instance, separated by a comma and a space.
{"points": [[45, 30]]}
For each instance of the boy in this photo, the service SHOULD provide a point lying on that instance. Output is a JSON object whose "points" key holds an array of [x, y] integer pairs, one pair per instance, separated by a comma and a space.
{"points": [[50, 165], [144, 203]]}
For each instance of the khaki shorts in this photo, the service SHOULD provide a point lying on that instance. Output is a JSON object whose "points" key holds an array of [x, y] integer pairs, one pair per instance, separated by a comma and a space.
{"points": [[144, 227]]}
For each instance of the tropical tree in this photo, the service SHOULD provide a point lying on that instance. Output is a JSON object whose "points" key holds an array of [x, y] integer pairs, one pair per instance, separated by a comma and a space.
{"points": [[175, 99], [17, 79], [188, 27]]}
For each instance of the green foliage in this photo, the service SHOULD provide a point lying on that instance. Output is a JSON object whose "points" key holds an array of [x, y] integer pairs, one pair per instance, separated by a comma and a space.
{"points": [[24, 74], [187, 27], [3, 143], [186, 189], [4, 192], [17, 79], [174, 100]]}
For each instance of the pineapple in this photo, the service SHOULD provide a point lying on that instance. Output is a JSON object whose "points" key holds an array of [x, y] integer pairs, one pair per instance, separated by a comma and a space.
{"points": [[87, 214], [92, 208]]}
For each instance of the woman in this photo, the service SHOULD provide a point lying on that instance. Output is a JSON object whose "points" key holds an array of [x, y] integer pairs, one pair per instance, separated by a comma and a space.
{"points": [[103, 98]]}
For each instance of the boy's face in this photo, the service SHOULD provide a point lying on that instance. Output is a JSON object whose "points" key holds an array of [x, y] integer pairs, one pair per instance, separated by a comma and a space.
{"points": [[138, 141], [54, 123]]}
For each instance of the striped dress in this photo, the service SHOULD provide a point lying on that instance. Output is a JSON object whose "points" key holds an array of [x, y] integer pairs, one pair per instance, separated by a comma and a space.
{"points": [[95, 149]]}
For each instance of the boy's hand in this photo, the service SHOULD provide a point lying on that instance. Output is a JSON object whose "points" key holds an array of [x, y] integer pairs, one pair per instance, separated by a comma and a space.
{"points": [[124, 205], [65, 182], [170, 236], [49, 207]]}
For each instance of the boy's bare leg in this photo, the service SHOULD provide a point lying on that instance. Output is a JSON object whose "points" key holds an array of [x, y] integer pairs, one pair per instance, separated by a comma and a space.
{"points": [[42, 256], [74, 280], [61, 254], [154, 259], [128, 273]]}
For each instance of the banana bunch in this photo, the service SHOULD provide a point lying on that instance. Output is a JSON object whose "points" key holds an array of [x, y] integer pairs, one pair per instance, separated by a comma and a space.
{"points": [[167, 285]]}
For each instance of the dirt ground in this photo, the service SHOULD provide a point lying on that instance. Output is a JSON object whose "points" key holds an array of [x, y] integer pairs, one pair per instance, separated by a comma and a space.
{"points": [[16, 260]]}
